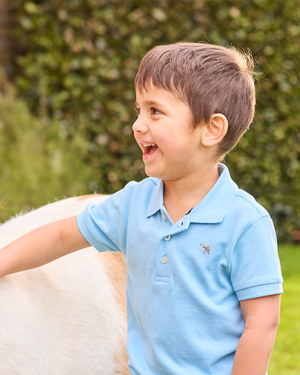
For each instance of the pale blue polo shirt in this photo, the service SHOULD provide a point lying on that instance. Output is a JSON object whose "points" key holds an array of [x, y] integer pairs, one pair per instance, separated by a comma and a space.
{"points": [[185, 280]]}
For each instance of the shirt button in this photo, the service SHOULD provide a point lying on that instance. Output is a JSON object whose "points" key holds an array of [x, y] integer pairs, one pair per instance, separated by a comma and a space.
{"points": [[163, 217], [164, 259], [167, 238]]}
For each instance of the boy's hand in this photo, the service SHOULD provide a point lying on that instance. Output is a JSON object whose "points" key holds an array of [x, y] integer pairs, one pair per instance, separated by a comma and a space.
{"points": [[42, 246], [261, 316]]}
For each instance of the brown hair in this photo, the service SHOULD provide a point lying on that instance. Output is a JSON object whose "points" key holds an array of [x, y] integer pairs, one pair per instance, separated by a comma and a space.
{"points": [[209, 79]]}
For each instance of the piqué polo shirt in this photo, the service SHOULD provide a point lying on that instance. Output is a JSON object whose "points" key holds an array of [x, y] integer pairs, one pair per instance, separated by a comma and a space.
{"points": [[185, 279]]}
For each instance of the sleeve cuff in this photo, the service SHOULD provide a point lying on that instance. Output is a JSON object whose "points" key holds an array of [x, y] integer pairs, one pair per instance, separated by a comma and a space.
{"points": [[259, 291], [84, 230]]}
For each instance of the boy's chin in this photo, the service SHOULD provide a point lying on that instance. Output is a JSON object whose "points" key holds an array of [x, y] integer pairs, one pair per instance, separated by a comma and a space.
{"points": [[151, 174], [157, 175]]}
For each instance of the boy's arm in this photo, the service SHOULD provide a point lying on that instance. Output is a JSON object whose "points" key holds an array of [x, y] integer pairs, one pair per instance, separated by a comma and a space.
{"points": [[261, 316], [41, 246]]}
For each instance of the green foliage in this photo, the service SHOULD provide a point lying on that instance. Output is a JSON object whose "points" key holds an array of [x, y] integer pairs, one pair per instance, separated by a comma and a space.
{"points": [[285, 358], [80, 57], [37, 162]]}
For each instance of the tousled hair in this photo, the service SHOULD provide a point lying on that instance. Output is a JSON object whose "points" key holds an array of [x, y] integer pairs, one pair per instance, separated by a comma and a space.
{"points": [[209, 79]]}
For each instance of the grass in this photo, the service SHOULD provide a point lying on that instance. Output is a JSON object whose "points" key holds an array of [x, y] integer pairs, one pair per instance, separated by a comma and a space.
{"points": [[286, 354]]}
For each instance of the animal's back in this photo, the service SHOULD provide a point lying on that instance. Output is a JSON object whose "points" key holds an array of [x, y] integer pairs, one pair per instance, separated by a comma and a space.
{"points": [[67, 317]]}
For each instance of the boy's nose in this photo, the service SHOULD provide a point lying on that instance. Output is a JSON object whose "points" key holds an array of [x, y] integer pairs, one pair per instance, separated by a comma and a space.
{"points": [[139, 126]]}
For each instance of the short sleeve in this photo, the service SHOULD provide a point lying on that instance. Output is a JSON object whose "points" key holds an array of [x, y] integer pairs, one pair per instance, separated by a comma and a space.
{"points": [[101, 225], [255, 266]]}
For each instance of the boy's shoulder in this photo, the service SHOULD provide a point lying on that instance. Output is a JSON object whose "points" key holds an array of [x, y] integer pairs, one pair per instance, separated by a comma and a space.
{"points": [[246, 218], [141, 191], [245, 201], [245, 211]]}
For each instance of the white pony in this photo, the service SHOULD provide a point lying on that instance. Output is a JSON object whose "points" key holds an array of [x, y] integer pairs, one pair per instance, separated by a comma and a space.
{"points": [[69, 316]]}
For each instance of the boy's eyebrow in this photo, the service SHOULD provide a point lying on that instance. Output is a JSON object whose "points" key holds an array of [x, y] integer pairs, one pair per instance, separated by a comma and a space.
{"points": [[152, 102]]}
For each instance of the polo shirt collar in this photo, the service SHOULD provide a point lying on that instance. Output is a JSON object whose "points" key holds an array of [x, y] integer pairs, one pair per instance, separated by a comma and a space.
{"points": [[157, 200], [213, 206]]}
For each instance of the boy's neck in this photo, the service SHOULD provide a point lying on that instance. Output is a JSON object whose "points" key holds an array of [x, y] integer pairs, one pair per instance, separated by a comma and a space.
{"points": [[183, 194]]}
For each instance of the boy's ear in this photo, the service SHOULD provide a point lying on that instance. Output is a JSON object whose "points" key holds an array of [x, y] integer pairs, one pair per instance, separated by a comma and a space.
{"points": [[215, 130]]}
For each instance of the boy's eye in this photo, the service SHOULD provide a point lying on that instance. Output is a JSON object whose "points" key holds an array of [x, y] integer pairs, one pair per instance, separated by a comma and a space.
{"points": [[155, 111]]}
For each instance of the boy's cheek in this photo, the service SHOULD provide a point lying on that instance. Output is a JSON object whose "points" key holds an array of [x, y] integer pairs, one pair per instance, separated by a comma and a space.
{"points": [[140, 146]]}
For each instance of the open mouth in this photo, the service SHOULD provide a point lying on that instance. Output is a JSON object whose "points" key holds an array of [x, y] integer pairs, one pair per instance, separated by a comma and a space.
{"points": [[149, 148]]}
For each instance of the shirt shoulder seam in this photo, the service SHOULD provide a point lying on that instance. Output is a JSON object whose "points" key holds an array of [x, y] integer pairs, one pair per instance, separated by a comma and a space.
{"points": [[262, 214]]}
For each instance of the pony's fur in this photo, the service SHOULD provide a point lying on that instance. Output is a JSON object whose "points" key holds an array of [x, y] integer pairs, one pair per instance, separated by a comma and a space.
{"points": [[67, 317]]}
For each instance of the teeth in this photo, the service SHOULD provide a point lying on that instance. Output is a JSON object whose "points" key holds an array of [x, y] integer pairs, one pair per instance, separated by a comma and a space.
{"points": [[148, 144]]}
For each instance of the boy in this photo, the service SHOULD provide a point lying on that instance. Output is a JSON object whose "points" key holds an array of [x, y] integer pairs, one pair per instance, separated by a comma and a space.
{"points": [[204, 281]]}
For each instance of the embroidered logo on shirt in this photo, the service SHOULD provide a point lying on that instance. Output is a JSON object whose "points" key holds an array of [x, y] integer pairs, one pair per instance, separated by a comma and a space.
{"points": [[206, 248]]}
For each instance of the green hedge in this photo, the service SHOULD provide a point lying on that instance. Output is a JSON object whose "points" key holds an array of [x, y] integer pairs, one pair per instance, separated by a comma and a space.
{"points": [[37, 162], [80, 57]]}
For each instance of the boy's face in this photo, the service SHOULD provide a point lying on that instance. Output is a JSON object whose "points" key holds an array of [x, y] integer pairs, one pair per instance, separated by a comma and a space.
{"points": [[171, 148]]}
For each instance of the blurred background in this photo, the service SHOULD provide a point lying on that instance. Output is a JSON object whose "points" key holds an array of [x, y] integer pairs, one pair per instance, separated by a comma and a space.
{"points": [[67, 105]]}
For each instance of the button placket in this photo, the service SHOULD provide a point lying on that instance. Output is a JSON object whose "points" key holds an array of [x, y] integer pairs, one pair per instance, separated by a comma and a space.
{"points": [[162, 264], [165, 246]]}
